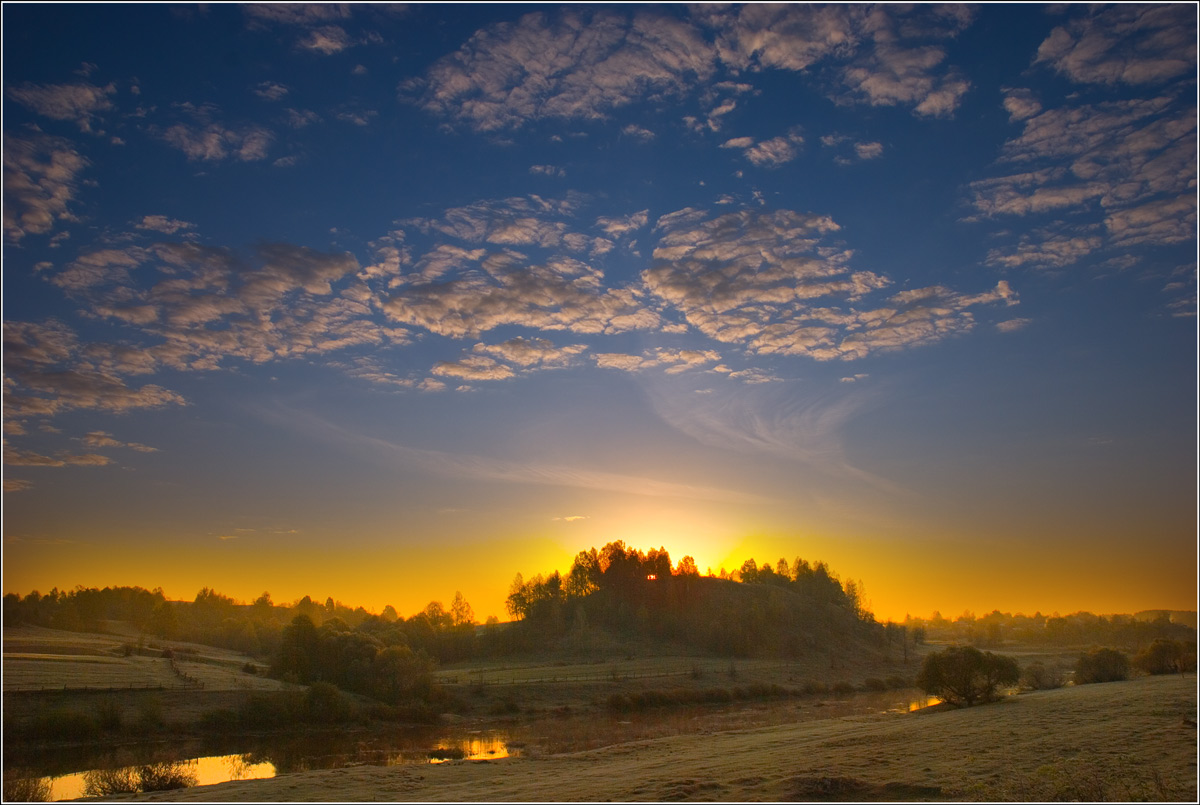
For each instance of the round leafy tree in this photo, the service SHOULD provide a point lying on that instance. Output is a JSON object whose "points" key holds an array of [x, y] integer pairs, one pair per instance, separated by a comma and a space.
{"points": [[965, 675]]}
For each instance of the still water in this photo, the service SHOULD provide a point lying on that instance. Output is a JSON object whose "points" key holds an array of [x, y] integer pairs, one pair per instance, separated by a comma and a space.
{"points": [[157, 767], [72, 773]]}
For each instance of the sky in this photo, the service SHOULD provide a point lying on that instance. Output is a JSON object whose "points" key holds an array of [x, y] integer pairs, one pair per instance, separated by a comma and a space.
{"points": [[386, 302]]}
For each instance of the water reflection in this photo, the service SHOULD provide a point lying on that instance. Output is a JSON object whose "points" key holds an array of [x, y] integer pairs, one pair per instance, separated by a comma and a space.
{"points": [[67, 771], [116, 774]]}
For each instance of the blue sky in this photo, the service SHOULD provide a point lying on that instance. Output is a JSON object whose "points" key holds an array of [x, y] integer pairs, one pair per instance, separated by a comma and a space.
{"points": [[382, 302]]}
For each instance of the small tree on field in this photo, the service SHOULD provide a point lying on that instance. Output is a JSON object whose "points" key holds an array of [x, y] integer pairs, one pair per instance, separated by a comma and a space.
{"points": [[965, 675], [1101, 665], [1164, 657], [1039, 676]]}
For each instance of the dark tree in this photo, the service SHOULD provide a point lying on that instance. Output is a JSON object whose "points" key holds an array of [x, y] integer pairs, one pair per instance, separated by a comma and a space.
{"points": [[1101, 665], [965, 675], [1164, 657]]}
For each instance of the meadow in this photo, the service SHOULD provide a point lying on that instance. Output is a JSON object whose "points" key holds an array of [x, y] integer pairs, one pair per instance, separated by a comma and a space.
{"points": [[1132, 740], [635, 727]]}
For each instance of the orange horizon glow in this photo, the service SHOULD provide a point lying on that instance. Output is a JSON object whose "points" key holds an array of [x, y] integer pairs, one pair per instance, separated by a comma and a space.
{"points": [[890, 586]]}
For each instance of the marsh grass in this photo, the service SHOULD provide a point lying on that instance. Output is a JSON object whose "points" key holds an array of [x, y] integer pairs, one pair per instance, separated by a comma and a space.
{"points": [[162, 776], [21, 786]]}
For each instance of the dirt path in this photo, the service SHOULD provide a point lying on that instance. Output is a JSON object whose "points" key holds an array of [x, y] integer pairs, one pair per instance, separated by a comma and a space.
{"points": [[1117, 741]]}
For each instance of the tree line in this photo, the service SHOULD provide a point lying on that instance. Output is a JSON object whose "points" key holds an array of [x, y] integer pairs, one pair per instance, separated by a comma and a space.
{"points": [[1077, 629], [785, 608]]}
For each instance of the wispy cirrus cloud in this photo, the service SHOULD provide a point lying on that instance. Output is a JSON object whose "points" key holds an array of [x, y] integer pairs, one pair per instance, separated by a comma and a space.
{"points": [[477, 467]]}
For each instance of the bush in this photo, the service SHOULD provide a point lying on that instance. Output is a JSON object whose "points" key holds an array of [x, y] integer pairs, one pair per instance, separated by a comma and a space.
{"points": [[875, 685], [1164, 657], [842, 688], [1039, 676], [1101, 665], [898, 682], [965, 675], [325, 704]]}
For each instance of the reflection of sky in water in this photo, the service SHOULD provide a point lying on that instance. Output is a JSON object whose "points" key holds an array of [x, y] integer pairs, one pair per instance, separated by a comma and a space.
{"points": [[207, 770], [222, 768], [484, 748]]}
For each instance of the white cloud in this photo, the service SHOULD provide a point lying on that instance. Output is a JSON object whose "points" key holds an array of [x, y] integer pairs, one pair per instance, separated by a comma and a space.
{"points": [[868, 150], [473, 367], [768, 281], [532, 352], [80, 103], [1021, 104], [1012, 325], [616, 227], [41, 179], [270, 90], [570, 65], [547, 170], [163, 224], [327, 39], [213, 142], [1124, 43], [638, 132]]}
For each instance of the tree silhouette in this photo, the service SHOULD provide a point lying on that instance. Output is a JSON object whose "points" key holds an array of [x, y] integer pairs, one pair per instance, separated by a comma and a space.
{"points": [[965, 675]]}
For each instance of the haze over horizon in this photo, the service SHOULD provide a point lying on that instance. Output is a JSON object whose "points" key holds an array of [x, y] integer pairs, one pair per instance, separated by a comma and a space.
{"points": [[381, 303]]}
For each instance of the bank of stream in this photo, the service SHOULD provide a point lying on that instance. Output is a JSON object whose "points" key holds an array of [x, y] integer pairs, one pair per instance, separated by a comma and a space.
{"points": [[64, 773]]}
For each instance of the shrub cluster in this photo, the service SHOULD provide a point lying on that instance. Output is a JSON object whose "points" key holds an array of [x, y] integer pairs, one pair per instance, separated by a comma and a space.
{"points": [[1101, 665]]}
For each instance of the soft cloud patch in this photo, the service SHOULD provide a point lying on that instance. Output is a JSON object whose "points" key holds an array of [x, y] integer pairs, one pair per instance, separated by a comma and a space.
{"points": [[327, 40], [80, 103], [41, 179], [163, 224], [14, 457], [1133, 160], [572, 65], [674, 361], [638, 132], [204, 138], [1126, 44], [493, 279], [473, 367], [270, 90], [532, 352], [99, 438], [769, 282]]}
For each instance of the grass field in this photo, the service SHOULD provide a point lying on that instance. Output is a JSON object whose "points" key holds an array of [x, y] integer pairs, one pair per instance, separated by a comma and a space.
{"points": [[49, 659]]}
